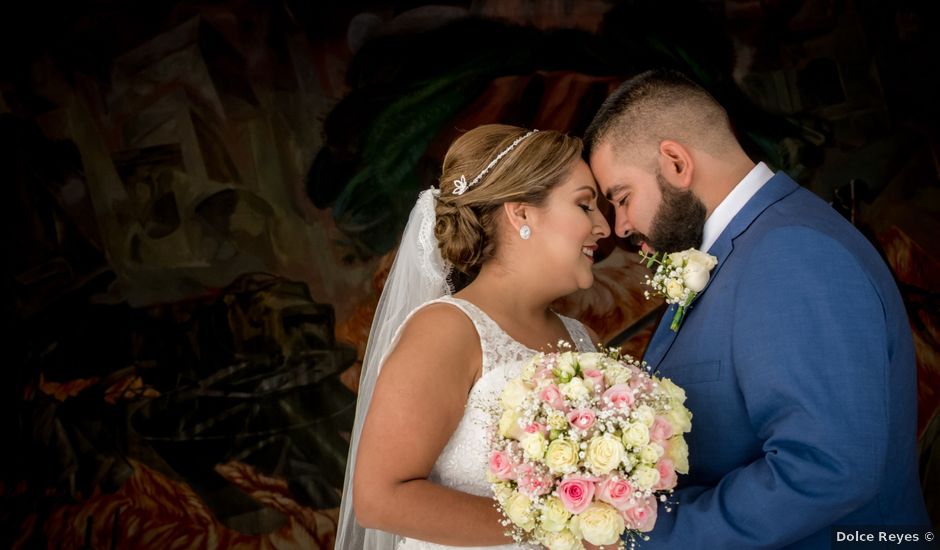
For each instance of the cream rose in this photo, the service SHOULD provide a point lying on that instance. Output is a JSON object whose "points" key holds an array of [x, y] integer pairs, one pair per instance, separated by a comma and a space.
{"points": [[554, 517], [674, 288], [604, 453], [562, 540], [651, 453], [518, 508], [601, 524], [530, 368], [678, 452], [644, 414], [509, 425], [616, 374], [636, 435], [680, 418], [575, 390], [557, 420], [675, 393], [695, 279], [533, 445], [590, 360], [513, 393], [562, 456], [644, 477], [566, 366]]}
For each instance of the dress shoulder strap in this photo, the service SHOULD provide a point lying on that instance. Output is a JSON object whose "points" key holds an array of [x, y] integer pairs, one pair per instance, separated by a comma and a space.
{"points": [[579, 334]]}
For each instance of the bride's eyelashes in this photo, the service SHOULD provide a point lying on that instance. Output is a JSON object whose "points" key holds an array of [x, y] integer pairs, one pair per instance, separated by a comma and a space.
{"points": [[586, 207]]}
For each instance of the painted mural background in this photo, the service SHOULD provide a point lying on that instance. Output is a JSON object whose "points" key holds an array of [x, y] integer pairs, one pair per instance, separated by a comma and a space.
{"points": [[203, 199]]}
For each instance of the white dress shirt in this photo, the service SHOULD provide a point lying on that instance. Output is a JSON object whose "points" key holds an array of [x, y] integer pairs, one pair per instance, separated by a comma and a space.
{"points": [[733, 203]]}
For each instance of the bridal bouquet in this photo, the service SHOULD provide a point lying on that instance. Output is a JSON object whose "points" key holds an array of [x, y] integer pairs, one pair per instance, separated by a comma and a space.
{"points": [[585, 445]]}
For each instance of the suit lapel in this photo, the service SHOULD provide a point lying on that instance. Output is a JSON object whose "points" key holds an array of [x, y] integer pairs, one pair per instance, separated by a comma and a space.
{"points": [[775, 189]]}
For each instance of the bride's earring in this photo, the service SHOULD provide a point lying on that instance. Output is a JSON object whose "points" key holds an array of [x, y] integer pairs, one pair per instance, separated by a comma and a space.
{"points": [[525, 232]]}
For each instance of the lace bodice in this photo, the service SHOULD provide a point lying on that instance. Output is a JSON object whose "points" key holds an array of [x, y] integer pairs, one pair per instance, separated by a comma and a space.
{"points": [[463, 462]]}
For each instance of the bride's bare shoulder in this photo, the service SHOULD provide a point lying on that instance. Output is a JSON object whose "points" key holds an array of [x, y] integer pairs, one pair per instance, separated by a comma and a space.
{"points": [[441, 322]]}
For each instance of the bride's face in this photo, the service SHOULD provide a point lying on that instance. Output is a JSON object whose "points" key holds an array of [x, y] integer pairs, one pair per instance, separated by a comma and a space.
{"points": [[567, 229]]}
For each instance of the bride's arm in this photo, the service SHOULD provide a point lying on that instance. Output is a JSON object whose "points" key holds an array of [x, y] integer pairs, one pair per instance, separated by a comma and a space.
{"points": [[419, 399]]}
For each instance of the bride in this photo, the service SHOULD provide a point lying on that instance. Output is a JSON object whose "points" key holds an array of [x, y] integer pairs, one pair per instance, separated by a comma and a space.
{"points": [[517, 213]]}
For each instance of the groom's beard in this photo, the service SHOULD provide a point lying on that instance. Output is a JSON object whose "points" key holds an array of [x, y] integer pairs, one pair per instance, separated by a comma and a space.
{"points": [[679, 221]]}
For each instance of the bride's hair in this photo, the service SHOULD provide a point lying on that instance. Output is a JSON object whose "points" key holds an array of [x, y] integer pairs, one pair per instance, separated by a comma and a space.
{"points": [[466, 223]]}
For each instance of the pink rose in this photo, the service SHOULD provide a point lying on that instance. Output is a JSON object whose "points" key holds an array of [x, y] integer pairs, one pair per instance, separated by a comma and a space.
{"points": [[535, 427], [641, 383], [615, 491], [576, 493], [619, 395], [667, 475], [642, 515], [661, 430], [531, 482], [501, 465], [581, 419], [597, 379], [551, 395]]}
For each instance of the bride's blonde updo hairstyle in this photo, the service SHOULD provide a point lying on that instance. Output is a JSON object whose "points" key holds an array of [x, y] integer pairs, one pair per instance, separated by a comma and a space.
{"points": [[467, 223]]}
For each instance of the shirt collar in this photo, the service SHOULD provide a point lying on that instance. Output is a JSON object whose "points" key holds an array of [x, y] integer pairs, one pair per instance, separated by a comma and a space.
{"points": [[734, 202]]}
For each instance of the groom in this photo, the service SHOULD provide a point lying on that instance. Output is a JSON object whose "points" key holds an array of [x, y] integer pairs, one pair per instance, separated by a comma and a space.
{"points": [[797, 358]]}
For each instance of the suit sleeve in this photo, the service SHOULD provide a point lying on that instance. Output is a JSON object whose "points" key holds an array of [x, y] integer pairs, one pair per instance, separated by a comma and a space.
{"points": [[810, 355]]}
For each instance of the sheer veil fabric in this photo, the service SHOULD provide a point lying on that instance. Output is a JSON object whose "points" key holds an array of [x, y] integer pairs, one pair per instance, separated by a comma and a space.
{"points": [[418, 275]]}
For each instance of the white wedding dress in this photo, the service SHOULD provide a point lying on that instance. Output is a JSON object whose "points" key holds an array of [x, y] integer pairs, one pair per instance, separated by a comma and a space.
{"points": [[463, 462]]}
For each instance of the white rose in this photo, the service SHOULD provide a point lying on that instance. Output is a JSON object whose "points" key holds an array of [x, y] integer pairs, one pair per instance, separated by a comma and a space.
{"points": [[644, 477], [554, 517], [700, 260], [679, 258], [636, 435], [518, 509], [513, 393], [680, 418], [575, 390], [562, 456], [562, 540], [566, 366], [644, 414], [651, 453], [601, 524], [509, 425], [695, 279], [678, 452], [533, 445], [674, 392], [603, 454], [674, 288]]}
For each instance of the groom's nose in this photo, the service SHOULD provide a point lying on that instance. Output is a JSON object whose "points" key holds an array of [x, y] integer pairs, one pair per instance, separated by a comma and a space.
{"points": [[622, 224]]}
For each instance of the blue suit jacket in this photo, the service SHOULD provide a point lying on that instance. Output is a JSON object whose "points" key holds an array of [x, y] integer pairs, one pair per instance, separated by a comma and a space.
{"points": [[798, 363]]}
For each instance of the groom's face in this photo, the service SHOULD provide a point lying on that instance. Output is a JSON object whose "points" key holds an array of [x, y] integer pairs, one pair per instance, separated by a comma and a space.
{"points": [[648, 210]]}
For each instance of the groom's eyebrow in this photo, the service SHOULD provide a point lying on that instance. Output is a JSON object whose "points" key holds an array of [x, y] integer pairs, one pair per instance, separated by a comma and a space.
{"points": [[615, 190]]}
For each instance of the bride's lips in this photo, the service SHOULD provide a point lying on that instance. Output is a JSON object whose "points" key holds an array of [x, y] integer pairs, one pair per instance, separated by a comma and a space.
{"points": [[588, 251], [645, 247]]}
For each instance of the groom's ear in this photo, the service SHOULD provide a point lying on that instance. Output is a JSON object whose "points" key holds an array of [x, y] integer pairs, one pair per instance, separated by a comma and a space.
{"points": [[675, 164]]}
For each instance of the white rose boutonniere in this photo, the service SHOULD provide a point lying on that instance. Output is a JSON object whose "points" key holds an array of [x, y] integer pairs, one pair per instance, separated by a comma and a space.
{"points": [[679, 277]]}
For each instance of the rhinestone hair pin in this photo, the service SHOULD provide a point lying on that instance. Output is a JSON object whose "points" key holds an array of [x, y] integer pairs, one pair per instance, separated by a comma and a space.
{"points": [[461, 185]]}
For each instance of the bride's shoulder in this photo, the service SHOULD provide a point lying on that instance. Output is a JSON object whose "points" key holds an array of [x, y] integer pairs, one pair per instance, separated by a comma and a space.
{"points": [[441, 322]]}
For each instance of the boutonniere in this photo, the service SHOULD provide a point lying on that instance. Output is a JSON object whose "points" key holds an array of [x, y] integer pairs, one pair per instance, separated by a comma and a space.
{"points": [[679, 277]]}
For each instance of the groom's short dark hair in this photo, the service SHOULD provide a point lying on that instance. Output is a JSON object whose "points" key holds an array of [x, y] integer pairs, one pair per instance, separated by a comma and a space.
{"points": [[657, 105]]}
